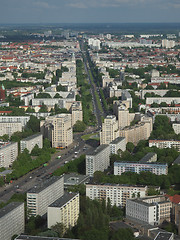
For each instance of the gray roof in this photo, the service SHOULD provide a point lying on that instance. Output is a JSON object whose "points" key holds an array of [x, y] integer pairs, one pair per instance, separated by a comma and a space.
{"points": [[8, 208], [98, 150], [164, 236], [147, 157], [26, 237], [40, 187], [31, 137], [63, 200], [5, 172], [75, 179], [119, 139], [177, 161]]}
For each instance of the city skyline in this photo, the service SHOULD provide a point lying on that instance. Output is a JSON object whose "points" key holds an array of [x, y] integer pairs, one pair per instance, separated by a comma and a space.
{"points": [[79, 11]]}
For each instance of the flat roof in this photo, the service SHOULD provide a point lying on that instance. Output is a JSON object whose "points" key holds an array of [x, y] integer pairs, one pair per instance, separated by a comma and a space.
{"points": [[177, 160], [8, 208], [63, 200], [164, 236], [146, 158], [74, 179], [40, 187], [98, 150], [24, 237], [31, 137], [119, 139], [116, 184], [154, 163]]}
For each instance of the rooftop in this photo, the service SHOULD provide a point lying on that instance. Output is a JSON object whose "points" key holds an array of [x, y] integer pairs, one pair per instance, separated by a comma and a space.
{"points": [[31, 137], [119, 139], [63, 200], [75, 179], [98, 150], [40, 187], [8, 208], [177, 160], [164, 236], [147, 157]]}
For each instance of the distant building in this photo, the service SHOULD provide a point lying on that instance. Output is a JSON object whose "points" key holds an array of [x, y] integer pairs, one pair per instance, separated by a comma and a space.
{"points": [[64, 210], [165, 144], [98, 160], [30, 142], [110, 130], [152, 210], [58, 129], [8, 154], [116, 193], [156, 168], [168, 43], [12, 220], [76, 111], [42, 195], [15, 119], [177, 161], [9, 128]]}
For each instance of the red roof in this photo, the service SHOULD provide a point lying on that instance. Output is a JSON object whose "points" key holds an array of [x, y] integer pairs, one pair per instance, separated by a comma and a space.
{"points": [[174, 199]]}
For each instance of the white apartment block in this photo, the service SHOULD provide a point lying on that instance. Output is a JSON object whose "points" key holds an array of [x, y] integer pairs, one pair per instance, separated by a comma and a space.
{"points": [[137, 167], [64, 210], [152, 210], [58, 129], [98, 160], [110, 130], [168, 43], [165, 144], [76, 112], [15, 119], [30, 142], [159, 100], [42, 195], [169, 79], [8, 154], [117, 193], [123, 117], [176, 127], [118, 144], [9, 128], [12, 220]]}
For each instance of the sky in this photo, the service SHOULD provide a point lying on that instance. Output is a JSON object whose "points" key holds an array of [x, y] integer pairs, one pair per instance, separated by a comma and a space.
{"points": [[89, 11]]}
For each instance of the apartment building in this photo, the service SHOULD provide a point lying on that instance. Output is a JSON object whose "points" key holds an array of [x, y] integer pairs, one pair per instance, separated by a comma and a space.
{"points": [[64, 210], [43, 194], [116, 193], [159, 100], [110, 130], [123, 117], [30, 142], [140, 131], [118, 144], [76, 111], [137, 167], [15, 119], [8, 153], [58, 129], [98, 160], [165, 144], [9, 128], [152, 210], [12, 220]]}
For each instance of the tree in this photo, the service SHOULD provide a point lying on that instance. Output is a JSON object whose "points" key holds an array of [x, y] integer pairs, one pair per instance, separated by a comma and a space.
{"points": [[43, 108], [57, 95], [34, 124], [130, 147], [79, 126], [59, 228]]}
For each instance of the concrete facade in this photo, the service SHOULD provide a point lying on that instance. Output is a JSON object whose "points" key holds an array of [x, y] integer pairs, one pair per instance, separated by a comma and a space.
{"points": [[30, 142], [8, 154]]}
